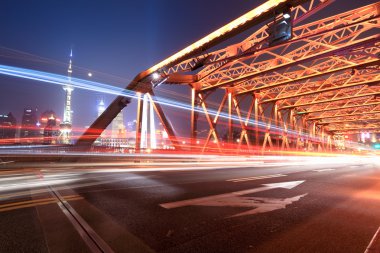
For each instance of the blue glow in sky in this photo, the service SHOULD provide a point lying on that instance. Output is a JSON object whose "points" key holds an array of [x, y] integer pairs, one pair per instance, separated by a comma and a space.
{"points": [[118, 37]]}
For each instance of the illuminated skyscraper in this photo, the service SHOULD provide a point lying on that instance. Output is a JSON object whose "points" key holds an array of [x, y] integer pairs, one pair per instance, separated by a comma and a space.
{"points": [[8, 128], [66, 126], [29, 130], [118, 127], [50, 127], [101, 107]]}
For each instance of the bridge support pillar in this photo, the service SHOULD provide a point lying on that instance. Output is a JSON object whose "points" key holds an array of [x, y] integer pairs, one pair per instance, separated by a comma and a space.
{"points": [[193, 119], [164, 121], [256, 98], [212, 123], [243, 124], [139, 122], [276, 133], [230, 133]]}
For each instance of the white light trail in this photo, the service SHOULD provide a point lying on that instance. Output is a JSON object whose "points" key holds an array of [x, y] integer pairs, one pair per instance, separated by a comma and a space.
{"points": [[112, 90]]}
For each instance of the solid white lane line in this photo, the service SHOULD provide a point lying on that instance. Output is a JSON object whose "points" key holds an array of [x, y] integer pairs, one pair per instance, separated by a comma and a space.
{"points": [[374, 245], [243, 179], [89, 236], [60, 187]]}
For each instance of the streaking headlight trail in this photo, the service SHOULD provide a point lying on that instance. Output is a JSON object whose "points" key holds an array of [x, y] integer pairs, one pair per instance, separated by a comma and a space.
{"points": [[112, 90]]}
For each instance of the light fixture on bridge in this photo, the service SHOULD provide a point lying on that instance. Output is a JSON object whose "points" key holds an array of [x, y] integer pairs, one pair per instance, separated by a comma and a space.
{"points": [[286, 13], [157, 79], [280, 29], [156, 76]]}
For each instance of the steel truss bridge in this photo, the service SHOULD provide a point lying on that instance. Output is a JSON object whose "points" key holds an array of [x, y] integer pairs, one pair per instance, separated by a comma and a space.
{"points": [[305, 92]]}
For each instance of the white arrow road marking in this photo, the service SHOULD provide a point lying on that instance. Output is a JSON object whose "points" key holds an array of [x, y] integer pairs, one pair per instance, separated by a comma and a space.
{"points": [[263, 205], [232, 199], [243, 179]]}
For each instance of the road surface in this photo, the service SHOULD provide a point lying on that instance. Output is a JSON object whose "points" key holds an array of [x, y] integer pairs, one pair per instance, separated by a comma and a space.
{"points": [[298, 205]]}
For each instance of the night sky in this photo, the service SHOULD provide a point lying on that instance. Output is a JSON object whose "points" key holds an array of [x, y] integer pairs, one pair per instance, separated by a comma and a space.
{"points": [[114, 40]]}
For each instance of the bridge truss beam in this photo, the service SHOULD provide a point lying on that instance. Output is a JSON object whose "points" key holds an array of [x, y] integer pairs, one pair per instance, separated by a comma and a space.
{"points": [[294, 95]]}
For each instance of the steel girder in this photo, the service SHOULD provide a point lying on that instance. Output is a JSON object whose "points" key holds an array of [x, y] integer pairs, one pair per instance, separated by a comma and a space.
{"points": [[298, 94], [143, 82], [340, 73], [306, 54], [356, 131], [365, 118], [329, 65], [356, 127], [210, 62], [348, 113], [330, 68]]}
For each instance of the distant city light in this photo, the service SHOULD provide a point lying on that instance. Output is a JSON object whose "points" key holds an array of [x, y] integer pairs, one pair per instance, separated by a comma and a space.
{"points": [[165, 134]]}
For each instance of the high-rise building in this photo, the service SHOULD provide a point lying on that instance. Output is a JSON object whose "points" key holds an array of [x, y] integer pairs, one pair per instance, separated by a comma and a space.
{"points": [[8, 128], [101, 107], [118, 138], [118, 127], [29, 130], [131, 126], [66, 125], [50, 127]]}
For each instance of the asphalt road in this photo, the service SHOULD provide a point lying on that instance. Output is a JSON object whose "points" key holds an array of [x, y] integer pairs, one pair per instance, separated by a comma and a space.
{"points": [[308, 206]]}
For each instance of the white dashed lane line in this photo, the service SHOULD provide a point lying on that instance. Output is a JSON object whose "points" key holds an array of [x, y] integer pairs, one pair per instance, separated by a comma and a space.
{"points": [[323, 170], [243, 179]]}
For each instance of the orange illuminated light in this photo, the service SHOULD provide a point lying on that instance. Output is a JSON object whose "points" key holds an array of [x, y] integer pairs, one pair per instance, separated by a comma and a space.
{"points": [[220, 32]]}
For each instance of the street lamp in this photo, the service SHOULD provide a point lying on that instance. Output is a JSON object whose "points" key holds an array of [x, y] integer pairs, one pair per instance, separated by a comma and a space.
{"points": [[280, 29], [158, 79], [155, 75]]}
